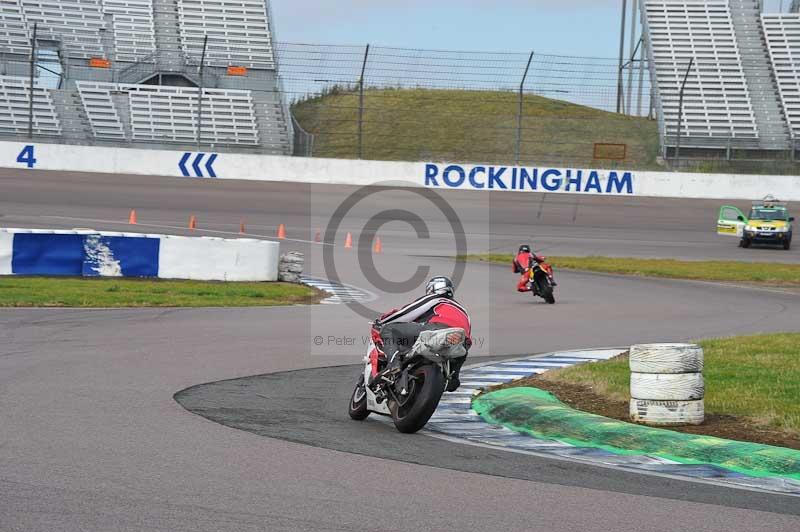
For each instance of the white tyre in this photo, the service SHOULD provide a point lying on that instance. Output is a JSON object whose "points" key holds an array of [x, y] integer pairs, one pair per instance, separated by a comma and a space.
{"points": [[666, 358], [291, 267], [667, 387], [293, 257], [667, 412]]}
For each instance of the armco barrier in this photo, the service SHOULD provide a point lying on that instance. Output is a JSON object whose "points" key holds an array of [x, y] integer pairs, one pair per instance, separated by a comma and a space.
{"points": [[437, 176], [107, 254]]}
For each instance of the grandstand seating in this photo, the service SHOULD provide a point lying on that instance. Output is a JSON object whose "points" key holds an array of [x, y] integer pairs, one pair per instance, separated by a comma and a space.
{"points": [[782, 32], [717, 107], [14, 37], [76, 23], [238, 32], [134, 35], [14, 108], [169, 114], [104, 119], [144, 40]]}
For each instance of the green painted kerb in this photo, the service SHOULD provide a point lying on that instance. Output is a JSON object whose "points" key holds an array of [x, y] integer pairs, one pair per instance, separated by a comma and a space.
{"points": [[540, 414]]}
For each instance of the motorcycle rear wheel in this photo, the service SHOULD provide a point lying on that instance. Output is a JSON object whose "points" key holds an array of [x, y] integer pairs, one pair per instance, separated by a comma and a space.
{"points": [[423, 398], [358, 401], [545, 290], [549, 296]]}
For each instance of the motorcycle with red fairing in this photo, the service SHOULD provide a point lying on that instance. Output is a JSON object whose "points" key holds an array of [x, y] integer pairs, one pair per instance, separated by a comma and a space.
{"points": [[407, 390]]}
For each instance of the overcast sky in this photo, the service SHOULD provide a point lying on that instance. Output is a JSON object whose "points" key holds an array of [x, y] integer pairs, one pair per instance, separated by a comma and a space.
{"points": [[568, 27]]}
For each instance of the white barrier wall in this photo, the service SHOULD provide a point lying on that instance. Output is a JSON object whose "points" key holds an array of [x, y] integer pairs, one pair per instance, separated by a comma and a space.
{"points": [[437, 176], [206, 259], [107, 254], [6, 250]]}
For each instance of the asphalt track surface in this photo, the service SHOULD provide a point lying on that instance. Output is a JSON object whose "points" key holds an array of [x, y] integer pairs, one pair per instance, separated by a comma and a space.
{"points": [[92, 438]]}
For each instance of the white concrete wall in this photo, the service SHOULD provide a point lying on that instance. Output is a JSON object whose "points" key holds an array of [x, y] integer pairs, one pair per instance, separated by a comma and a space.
{"points": [[348, 172], [6, 251], [178, 257], [219, 259]]}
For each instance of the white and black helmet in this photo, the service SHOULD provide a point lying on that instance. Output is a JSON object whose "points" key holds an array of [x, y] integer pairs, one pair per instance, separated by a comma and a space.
{"points": [[442, 286]]}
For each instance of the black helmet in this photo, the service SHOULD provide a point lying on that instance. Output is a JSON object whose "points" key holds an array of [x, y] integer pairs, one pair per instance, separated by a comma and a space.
{"points": [[442, 286], [524, 248]]}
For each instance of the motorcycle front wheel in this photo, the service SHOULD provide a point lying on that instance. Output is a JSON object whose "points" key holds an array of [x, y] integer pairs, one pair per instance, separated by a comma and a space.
{"points": [[413, 411], [358, 401]]}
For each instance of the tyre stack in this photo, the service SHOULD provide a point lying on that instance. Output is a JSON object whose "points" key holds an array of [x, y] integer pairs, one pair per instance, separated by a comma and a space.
{"points": [[290, 267], [667, 386]]}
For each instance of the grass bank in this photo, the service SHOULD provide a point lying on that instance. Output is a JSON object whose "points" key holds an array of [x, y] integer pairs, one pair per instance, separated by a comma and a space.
{"points": [[457, 125], [707, 270], [752, 388], [89, 293]]}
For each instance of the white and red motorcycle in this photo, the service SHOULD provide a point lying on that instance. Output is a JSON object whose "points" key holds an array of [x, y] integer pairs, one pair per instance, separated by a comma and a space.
{"points": [[407, 390]]}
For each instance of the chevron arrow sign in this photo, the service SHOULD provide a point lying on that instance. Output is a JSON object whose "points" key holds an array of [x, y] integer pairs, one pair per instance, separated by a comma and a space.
{"points": [[191, 164]]}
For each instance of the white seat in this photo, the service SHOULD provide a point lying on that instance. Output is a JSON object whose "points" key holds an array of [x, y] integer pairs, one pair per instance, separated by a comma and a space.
{"points": [[134, 34], [76, 23], [782, 32], [717, 102], [14, 35], [14, 108], [100, 109], [238, 32], [170, 114]]}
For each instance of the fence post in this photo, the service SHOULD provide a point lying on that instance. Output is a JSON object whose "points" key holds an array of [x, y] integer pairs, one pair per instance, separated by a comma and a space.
{"points": [[361, 105], [33, 75], [200, 94], [519, 113], [621, 56], [642, 54], [634, 47], [680, 112]]}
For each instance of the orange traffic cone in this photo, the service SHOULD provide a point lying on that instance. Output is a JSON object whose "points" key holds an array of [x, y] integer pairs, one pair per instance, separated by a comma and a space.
{"points": [[318, 236], [282, 232], [132, 217], [378, 246], [241, 227], [192, 222], [348, 242]]}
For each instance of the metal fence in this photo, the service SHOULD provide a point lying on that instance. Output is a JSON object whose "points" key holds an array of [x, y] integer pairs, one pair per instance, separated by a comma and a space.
{"points": [[411, 104], [386, 103]]}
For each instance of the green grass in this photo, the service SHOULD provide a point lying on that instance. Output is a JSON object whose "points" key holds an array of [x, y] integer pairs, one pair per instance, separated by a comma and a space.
{"points": [[767, 273], [755, 377], [427, 124], [87, 293]]}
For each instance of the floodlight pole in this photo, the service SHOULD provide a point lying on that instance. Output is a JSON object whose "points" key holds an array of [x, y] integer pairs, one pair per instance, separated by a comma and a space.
{"points": [[33, 76], [361, 104], [680, 110], [621, 56], [519, 113], [200, 94]]}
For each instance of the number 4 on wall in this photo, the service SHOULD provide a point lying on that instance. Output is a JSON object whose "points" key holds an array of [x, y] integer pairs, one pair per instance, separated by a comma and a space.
{"points": [[26, 156]]}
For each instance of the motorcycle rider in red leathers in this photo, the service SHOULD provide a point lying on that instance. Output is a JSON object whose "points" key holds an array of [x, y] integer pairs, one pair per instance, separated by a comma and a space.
{"points": [[522, 264], [399, 328]]}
